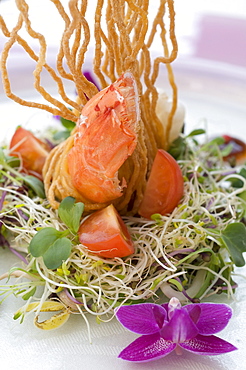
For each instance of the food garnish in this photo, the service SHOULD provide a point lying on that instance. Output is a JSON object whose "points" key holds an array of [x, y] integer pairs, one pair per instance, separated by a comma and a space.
{"points": [[31, 151], [189, 254], [169, 327], [164, 188], [104, 233], [237, 150]]}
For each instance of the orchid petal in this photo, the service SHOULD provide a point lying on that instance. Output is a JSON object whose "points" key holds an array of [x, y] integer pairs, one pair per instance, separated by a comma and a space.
{"points": [[180, 328], [147, 348], [213, 318], [143, 318], [165, 306], [194, 311], [208, 345]]}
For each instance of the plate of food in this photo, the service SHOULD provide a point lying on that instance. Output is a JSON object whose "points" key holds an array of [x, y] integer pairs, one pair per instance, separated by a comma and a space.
{"points": [[122, 197]]}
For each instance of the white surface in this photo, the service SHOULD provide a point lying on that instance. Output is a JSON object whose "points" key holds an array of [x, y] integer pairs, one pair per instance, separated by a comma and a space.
{"points": [[215, 96]]}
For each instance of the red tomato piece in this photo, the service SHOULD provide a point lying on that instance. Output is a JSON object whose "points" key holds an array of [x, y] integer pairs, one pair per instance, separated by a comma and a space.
{"points": [[105, 234], [165, 186], [238, 153], [30, 149]]}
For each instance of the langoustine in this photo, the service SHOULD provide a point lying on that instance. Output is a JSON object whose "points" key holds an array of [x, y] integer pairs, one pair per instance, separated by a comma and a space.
{"points": [[96, 162], [106, 136]]}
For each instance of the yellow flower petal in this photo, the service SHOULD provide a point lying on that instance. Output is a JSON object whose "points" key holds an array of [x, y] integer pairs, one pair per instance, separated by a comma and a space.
{"points": [[47, 306], [54, 322]]}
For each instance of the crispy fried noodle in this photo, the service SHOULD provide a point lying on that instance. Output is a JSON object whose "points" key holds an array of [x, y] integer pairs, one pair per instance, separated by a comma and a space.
{"points": [[122, 48]]}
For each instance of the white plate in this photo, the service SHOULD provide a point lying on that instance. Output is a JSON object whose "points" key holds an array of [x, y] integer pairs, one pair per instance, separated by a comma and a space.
{"points": [[214, 95]]}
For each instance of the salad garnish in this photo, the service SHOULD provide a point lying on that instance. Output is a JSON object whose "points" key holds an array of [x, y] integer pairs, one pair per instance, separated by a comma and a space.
{"points": [[188, 254], [169, 327]]}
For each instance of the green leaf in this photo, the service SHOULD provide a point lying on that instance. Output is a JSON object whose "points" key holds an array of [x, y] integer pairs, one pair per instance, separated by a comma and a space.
{"points": [[234, 239], [61, 135], [177, 284], [226, 150], [2, 158], [236, 182], [242, 172], [177, 148], [29, 294], [243, 197], [17, 315], [207, 281], [51, 245], [58, 252], [67, 124], [35, 184], [215, 142], [43, 240], [196, 132], [70, 213], [13, 161]]}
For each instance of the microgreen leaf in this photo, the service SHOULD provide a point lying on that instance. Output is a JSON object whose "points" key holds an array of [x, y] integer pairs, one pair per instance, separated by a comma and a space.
{"points": [[35, 184], [196, 132], [215, 142], [236, 182], [177, 284], [17, 315], [29, 293], [177, 147], [2, 157], [43, 240], [243, 197], [61, 135], [243, 172], [226, 150], [68, 124], [58, 252], [51, 245], [234, 239], [70, 213], [12, 161]]}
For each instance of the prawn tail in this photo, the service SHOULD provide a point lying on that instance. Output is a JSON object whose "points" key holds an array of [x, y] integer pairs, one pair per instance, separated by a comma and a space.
{"points": [[106, 136]]}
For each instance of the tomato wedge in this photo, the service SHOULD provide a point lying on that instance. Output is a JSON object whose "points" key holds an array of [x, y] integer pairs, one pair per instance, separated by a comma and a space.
{"points": [[165, 186], [238, 153], [105, 234], [30, 149]]}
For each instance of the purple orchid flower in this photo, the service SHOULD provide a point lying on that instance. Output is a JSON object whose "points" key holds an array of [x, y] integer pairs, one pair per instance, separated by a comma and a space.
{"points": [[170, 326]]}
